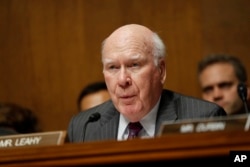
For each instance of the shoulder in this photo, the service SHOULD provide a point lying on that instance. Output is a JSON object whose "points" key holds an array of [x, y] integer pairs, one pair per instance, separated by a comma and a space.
{"points": [[7, 131], [191, 106], [104, 109], [178, 97]]}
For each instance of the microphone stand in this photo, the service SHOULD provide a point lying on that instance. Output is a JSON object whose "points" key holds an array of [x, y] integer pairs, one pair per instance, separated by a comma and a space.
{"points": [[92, 118], [242, 92]]}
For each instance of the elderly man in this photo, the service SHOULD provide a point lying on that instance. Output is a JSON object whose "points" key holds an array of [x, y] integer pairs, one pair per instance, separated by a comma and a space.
{"points": [[134, 69]]}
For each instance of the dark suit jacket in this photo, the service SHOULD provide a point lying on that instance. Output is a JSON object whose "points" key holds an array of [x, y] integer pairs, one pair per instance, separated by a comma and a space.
{"points": [[173, 106]]}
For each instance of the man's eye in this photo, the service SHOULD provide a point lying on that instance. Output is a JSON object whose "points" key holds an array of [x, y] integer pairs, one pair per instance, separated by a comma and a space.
{"points": [[112, 67], [207, 90], [134, 65]]}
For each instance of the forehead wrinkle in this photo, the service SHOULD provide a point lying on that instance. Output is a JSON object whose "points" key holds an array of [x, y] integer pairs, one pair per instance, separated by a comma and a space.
{"points": [[131, 58], [107, 60], [136, 56]]}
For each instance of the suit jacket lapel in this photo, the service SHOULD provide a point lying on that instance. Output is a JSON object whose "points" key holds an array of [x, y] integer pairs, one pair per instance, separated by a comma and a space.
{"points": [[109, 123], [167, 109]]}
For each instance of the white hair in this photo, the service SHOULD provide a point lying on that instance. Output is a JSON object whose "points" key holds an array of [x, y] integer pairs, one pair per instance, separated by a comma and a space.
{"points": [[159, 51]]}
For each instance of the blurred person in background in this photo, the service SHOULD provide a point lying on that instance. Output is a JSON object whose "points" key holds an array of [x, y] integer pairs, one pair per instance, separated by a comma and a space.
{"points": [[93, 94], [219, 76], [15, 119]]}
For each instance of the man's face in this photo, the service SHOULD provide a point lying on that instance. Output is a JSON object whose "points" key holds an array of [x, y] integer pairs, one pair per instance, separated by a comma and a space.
{"points": [[219, 85], [132, 78], [94, 99]]}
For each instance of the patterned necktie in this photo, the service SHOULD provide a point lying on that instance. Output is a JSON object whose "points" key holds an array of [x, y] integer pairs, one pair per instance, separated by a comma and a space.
{"points": [[134, 128]]}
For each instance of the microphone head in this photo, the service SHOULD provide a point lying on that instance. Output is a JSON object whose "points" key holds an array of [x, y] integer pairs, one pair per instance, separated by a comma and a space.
{"points": [[242, 91], [94, 117]]}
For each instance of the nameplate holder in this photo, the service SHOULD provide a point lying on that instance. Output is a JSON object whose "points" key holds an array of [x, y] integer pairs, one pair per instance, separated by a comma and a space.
{"points": [[226, 123], [33, 139]]}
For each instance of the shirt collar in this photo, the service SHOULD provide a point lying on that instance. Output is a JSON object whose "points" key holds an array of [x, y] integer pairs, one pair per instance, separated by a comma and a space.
{"points": [[148, 122]]}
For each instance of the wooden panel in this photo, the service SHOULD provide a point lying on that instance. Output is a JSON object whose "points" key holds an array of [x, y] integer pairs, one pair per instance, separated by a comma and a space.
{"points": [[226, 28], [174, 150], [50, 49]]}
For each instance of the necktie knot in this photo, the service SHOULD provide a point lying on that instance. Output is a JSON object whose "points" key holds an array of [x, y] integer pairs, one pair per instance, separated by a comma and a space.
{"points": [[134, 129]]}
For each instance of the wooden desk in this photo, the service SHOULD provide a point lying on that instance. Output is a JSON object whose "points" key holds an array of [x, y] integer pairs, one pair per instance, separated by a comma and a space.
{"points": [[198, 149]]}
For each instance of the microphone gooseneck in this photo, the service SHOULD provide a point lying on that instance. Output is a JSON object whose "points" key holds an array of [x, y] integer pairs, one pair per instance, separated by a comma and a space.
{"points": [[92, 118], [242, 92]]}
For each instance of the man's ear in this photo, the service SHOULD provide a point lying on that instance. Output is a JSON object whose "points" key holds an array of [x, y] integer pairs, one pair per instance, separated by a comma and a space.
{"points": [[162, 69]]}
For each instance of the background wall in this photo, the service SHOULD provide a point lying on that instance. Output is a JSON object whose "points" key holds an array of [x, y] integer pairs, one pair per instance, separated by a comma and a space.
{"points": [[50, 49]]}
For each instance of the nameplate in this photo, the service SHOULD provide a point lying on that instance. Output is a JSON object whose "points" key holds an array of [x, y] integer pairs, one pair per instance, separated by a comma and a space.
{"points": [[226, 123], [33, 139]]}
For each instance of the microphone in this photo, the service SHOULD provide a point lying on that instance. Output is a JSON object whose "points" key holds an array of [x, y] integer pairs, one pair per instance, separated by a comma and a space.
{"points": [[92, 118], [242, 92]]}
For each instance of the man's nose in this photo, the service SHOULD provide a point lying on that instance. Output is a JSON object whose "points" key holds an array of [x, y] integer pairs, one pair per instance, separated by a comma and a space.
{"points": [[217, 93], [124, 78]]}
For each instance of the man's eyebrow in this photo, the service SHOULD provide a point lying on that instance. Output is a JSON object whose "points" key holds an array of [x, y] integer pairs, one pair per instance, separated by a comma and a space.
{"points": [[107, 60], [207, 87], [225, 83]]}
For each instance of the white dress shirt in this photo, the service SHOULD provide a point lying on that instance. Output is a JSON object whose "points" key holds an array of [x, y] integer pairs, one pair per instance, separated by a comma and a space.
{"points": [[147, 122]]}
